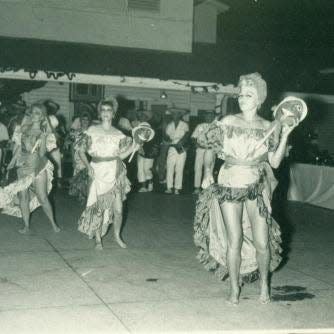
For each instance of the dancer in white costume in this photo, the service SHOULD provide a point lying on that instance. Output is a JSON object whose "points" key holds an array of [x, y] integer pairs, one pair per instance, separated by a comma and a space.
{"points": [[107, 147], [233, 225]]}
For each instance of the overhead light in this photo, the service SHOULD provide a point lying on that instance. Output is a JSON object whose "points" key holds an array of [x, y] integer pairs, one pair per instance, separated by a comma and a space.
{"points": [[163, 95]]}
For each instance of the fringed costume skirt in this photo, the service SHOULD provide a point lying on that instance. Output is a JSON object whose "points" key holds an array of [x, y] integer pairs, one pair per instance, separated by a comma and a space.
{"points": [[210, 232]]}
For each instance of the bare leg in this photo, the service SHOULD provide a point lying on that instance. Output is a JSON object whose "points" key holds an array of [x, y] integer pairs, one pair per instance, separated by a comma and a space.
{"points": [[24, 206], [118, 220], [98, 240], [98, 233], [232, 214], [40, 185], [260, 232]]}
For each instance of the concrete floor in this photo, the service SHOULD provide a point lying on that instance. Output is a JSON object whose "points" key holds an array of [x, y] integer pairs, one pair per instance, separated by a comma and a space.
{"points": [[58, 283]]}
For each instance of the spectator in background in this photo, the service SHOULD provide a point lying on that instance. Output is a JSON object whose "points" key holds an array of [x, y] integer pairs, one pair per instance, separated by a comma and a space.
{"points": [[80, 180], [160, 133], [177, 132], [60, 131], [17, 110], [200, 151], [4, 137], [127, 123], [84, 108], [13, 115], [146, 155]]}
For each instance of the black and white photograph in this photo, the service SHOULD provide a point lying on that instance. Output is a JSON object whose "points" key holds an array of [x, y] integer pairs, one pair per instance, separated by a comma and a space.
{"points": [[166, 166]]}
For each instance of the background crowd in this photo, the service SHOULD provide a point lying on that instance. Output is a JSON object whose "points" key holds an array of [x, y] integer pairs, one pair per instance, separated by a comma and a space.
{"points": [[171, 162]]}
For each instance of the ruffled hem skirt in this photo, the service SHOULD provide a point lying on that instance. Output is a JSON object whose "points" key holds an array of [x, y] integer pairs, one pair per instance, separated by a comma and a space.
{"points": [[79, 185], [9, 201], [94, 219], [210, 233]]}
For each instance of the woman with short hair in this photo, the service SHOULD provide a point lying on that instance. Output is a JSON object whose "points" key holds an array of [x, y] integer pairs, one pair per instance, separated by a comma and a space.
{"points": [[107, 147], [233, 225]]}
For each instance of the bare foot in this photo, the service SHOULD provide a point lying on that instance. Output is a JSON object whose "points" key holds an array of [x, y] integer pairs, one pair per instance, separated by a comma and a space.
{"points": [[56, 228], [234, 297], [98, 246], [264, 295], [24, 230], [121, 243]]}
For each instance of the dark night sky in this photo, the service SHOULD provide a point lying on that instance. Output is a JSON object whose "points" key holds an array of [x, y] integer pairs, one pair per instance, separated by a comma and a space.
{"points": [[301, 22], [288, 41]]}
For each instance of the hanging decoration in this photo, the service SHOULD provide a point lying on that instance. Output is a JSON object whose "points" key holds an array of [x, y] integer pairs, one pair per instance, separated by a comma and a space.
{"points": [[33, 73], [199, 89], [57, 75], [194, 87]]}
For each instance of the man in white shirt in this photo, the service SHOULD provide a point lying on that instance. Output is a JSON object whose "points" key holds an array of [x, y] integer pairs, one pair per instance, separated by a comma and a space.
{"points": [[177, 131], [200, 151]]}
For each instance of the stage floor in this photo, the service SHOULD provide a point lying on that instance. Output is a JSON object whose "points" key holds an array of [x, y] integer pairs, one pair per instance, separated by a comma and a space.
{"points": [[58, 283]]}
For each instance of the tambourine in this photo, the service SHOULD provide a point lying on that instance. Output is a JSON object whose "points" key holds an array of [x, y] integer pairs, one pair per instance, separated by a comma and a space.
{"points": [[290, 110], [142, 133]]}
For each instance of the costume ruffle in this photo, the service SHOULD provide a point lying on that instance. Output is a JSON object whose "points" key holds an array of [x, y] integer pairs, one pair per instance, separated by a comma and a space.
{"points": [[92, 219], [209, 229], [79, 185], [9, 201]]}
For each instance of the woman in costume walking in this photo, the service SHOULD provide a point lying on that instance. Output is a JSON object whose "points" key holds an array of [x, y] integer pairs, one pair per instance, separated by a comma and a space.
{"points": [[33, 139], [107, 147], [234, 229], [79, 183]]}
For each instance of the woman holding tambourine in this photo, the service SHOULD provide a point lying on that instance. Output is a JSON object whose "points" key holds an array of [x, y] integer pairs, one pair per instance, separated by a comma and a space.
{"points": [[234, 229], [107, 147]]}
